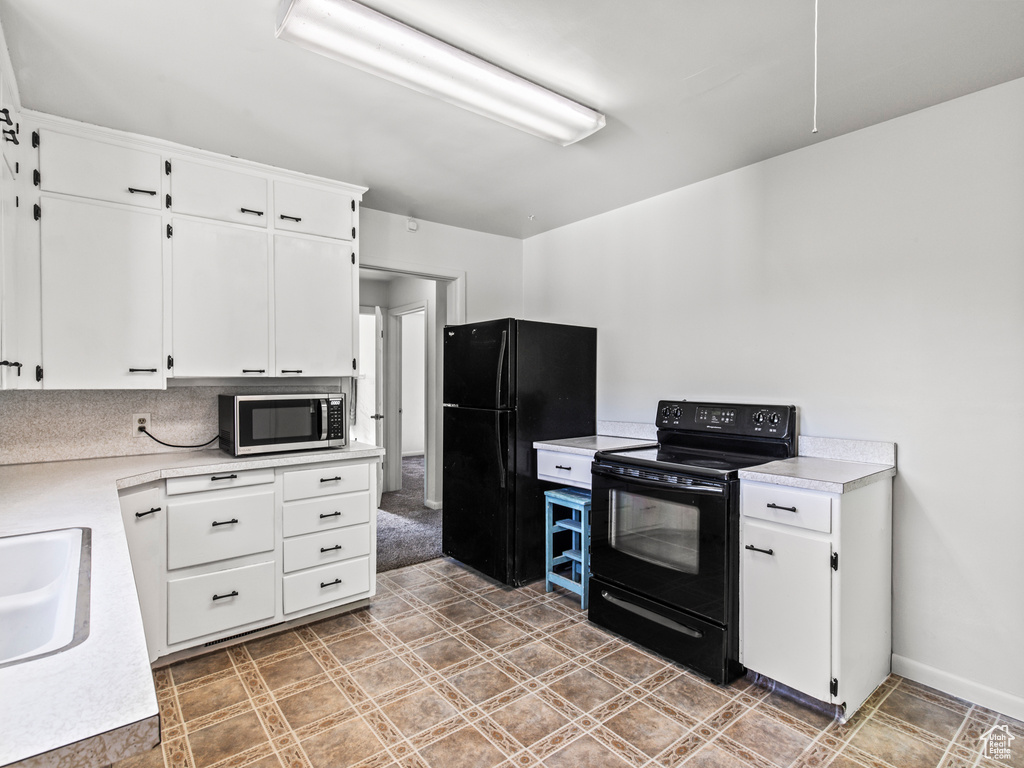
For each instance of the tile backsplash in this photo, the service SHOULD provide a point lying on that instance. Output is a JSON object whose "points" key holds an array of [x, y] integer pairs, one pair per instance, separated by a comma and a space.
{"points": [[86, 424]]}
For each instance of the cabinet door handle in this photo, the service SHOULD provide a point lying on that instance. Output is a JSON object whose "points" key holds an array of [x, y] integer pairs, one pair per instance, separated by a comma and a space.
{"points": [[5, 116], [254, 370], [250, 210], [232, 521], [752, 548], [291, 218], [142, 370], [559, 466], [147, 512], [324, 584], [135, 191], [229, 594], [776, 506], [11, 136], [330, 514], [224, 477], [291, 370], [329, 479], [330, 549]]}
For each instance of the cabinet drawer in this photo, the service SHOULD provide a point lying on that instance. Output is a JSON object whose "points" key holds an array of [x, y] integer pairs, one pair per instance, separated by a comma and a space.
{"points": [[791, 506], [314, 211], [566, 468], [218, 193], [215, 481], [326, 584], [78, 166], [202, 529], [213, 602], [314, 515], [308, 483], [326, 547]]}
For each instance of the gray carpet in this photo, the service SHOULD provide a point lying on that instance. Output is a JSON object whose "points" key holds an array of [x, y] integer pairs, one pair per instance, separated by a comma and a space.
{"points": [[407, 531]]}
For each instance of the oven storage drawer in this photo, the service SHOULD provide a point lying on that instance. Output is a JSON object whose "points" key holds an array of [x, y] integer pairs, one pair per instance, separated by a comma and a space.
{"points": [[329, 512], [326, 584], [791, 506], [564, 468], [681, 637], [214, 602], [217, 480], [209, 527], [309, 483], [326, 547]]}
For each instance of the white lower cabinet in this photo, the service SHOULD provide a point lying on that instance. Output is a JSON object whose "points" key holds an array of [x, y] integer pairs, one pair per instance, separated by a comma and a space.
{"points": [[815, 589], [217, 555]]}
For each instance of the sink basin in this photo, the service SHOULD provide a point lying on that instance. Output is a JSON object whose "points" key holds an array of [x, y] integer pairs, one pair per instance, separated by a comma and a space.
{"points": [[44, 593]]}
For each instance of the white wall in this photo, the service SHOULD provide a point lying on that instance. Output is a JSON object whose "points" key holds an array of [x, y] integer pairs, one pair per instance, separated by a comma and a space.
{"points": [[877, 282]]}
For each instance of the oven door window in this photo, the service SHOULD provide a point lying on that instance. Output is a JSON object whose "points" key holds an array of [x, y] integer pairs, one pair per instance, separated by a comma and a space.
{"points": [[278, 422], [658, 531]]}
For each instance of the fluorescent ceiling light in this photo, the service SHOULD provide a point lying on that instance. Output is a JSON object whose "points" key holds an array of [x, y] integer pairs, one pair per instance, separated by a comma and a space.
{"points": [[360, 37]]}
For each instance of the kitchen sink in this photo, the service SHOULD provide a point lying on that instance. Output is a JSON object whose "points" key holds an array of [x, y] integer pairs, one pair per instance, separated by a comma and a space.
{"points": [[44, 593]]}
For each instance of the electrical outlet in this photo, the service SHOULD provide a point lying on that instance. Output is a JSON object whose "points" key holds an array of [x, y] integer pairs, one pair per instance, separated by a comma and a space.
{"points": [[140, 420]]}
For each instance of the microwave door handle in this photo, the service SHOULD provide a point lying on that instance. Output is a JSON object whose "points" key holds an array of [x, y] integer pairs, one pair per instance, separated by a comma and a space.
{"points": [[323, 418]]}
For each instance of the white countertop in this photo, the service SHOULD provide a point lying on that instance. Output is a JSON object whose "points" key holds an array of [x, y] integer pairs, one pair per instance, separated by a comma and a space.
{"points": [[819, 474], [104, 684], [591, 444]]}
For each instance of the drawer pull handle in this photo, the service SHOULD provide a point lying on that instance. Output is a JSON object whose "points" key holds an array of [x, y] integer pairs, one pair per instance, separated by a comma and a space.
{"points": [[559, 466], [147, 512], [142, 370], [330, 549], [224, 477], [254, 370], [250, 210], [325, 584], [776, 506], [229, 594], [291, 370], [135, 191], [330, 479], [756, 549], [330, 514], [291, 218], [232, 521]]}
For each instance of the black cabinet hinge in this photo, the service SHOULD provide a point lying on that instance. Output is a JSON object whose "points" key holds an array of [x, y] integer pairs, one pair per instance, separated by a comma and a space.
{"points": [[37, 212], [167, 167], [170, 362], [835, 561], [353, 363], [170, 231], [833, 687], [353, 233], [353, 206], [35, 139], [353, 258], [35, 177], [167, 201], [39, 373]]}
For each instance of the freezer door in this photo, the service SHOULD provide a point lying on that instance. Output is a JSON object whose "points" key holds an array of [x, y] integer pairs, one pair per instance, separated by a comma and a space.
{"points": [[479, 489], [479, 364]]}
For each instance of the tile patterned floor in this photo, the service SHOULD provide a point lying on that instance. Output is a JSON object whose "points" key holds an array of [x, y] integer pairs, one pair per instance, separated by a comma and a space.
{"points": [[447, 669]]}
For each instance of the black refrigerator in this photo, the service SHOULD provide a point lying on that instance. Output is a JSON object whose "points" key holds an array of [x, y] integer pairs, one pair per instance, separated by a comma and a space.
{"points": [[508, 383]]}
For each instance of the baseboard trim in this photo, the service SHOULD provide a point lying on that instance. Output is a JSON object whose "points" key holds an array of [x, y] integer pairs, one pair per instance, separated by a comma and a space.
{"points": [[431, 504], [1001, 701]]}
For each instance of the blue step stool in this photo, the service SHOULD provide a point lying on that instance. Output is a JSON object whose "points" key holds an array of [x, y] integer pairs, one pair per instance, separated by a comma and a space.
{"points": [[578, 501]]}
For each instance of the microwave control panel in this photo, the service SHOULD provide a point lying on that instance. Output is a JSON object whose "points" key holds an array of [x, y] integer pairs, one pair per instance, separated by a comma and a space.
{"points": [[336, 419]]}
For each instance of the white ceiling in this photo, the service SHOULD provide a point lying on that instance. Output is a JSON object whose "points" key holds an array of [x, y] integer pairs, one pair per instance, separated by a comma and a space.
{"points": [[691, 89]]}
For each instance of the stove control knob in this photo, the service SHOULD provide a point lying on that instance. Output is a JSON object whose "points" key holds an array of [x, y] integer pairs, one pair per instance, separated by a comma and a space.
{"points": [[773, 418], [760, 417], [677, 412]]}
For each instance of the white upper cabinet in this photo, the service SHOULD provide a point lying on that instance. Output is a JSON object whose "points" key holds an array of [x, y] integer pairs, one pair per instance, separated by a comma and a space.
{"points": [[198, 189], [313, 282], [220, 288], [298, 208], [102, 311], [73, 165]]}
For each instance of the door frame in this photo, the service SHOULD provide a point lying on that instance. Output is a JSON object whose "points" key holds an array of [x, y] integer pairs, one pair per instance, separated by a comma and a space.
{"points": [[393, 389]]}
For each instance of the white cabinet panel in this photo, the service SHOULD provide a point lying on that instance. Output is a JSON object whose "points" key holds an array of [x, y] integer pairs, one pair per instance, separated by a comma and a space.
{"points": [[209, 527], [204, 190], [328, 512], [217, 481], [102, 316], [220, 307], [787, 607], [213, 602], [326, 547], [323, 481], [313, 325], [790, 506], [74, 165], [565, 468], [299, 208], [326, 584], [143, 516]]}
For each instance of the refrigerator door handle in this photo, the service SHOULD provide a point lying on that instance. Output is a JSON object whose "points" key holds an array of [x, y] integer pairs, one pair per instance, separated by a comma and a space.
{"points": [[501, 363], [498, 445]]}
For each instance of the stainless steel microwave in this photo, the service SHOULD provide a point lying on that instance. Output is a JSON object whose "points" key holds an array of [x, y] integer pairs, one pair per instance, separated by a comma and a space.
{"points": [[277, 423]]}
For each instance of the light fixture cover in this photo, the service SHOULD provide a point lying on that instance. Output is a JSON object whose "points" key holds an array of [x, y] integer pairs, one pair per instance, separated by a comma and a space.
{"points": [[363, 38]]}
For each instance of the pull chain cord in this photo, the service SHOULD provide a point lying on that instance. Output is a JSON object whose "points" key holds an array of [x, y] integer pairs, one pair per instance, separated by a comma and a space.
{"points": [[814, 127]]}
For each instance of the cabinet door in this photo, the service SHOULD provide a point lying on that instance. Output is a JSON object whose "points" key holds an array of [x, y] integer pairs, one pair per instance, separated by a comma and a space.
{"points": [[298, 208], [143, 516], [314, 314], [220, 305], [102, 314], [218, 193], [787, 607], [84, 167]]}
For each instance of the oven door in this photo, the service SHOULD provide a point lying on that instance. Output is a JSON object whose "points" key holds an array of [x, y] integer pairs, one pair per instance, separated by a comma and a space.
{"points": [[663, 540], [282, 423]]}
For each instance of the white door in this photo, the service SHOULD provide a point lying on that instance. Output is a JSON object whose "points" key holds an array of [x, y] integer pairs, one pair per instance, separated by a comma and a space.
{"points": [[220, 286], [102, 317], [368, 425]]}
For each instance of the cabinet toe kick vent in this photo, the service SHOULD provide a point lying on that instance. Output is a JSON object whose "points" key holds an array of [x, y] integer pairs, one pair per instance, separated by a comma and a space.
{"points": [[242, 634]]}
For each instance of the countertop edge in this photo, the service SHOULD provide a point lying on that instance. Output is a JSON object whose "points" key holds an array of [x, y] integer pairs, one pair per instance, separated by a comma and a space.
{"points": [[812, 484]]}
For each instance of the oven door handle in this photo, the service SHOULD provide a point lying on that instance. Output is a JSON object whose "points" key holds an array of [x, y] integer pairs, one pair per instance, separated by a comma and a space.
{"points": [[651, 615], [715, 489]]}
